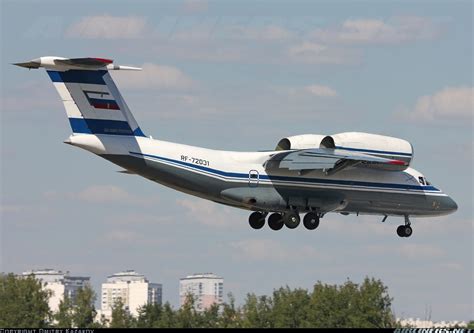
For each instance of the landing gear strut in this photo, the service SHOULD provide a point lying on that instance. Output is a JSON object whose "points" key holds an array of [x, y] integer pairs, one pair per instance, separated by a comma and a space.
{"points": [[257, 220], [291, 220], [405, 230]]}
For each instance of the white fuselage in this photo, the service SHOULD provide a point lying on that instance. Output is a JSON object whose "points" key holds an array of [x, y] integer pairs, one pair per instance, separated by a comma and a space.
{"points": [[240, 179]]}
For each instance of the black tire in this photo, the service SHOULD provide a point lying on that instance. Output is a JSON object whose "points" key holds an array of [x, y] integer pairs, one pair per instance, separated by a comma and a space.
{"points": [[311, 221], [401, 231], [275, 221], [291, 220], [257, 220]]}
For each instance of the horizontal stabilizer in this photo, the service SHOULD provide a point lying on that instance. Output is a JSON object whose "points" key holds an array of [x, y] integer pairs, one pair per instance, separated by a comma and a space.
{"points": [[63, 64]]}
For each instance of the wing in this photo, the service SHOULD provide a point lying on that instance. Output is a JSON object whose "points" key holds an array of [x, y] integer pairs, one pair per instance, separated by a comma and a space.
{"points": [[330, 161]]}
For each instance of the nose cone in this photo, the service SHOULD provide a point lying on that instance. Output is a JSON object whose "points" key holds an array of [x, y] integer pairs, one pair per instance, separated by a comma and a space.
{"points": [[448, 205]]}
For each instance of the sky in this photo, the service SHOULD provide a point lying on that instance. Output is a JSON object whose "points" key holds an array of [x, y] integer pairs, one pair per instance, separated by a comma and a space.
{"points": [[241, 75]]}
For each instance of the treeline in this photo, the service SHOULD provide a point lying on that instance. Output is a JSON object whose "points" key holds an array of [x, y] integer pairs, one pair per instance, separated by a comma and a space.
{"points": [[23, 303]]}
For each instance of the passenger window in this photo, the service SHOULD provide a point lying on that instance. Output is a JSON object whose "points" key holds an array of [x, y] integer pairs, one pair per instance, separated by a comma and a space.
{"points": [[421, 180]]}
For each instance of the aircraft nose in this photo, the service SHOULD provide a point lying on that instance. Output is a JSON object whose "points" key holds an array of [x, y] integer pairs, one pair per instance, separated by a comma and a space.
{"points": [[449, 205]]}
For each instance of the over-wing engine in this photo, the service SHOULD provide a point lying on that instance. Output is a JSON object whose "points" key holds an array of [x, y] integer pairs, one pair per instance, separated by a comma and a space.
{"points": [[333, 153]]}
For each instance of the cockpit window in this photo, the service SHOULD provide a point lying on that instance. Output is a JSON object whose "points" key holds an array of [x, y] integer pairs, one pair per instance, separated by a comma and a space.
{"points": [[427, 182], [421, 180]]}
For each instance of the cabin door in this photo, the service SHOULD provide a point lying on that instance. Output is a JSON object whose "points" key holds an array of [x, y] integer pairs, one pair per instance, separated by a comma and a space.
{"points": [[253, 178]]}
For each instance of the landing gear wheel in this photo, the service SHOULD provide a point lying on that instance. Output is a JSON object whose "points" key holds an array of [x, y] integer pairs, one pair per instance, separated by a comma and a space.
{"points": [[275, 221], [408, 231], [400, 230], [311, 221], [404, 231], [291, 220], [257, 220]]}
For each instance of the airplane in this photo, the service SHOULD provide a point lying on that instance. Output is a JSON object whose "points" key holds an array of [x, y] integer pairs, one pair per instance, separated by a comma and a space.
{"points": [[310, 174]]}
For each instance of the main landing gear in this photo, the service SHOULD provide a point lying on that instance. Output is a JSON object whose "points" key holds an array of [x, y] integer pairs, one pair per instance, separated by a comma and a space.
{"points": [[290, 219], [405, 230], [257, 220], [311, 221]]}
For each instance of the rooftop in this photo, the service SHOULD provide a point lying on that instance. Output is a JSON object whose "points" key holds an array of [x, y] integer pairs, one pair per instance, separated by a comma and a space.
{"points": [[201, 276]]}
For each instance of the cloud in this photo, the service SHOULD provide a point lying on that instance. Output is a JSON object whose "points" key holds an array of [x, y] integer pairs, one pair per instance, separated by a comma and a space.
{"points": [[413, 251], [39, 99], [270, 33], [269, 249], [321, 91], [449, 103], [5, 209], [417, 251], [375, 31], [195, 6], [108, 27], [104, 194], [209, 213], [211, 30], [123, 236], [155, 77], [316, 53]]}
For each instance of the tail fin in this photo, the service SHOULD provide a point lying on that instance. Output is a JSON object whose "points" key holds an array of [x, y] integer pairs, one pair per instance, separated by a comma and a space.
{"points": [[92, 101]]}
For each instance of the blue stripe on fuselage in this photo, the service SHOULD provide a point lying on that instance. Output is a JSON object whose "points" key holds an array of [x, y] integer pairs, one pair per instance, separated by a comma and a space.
{"points": [[297, 179]]}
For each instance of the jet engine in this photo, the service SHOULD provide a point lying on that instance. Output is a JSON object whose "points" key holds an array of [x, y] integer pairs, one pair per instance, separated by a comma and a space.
{"points": [[304, 141], [356, 142]]}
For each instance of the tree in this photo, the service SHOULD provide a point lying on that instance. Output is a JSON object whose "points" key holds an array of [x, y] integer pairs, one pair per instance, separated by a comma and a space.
{"points": [[63, 317], [290, 307], [79, 312], [84, 311], [23, 302], [121, 318], [230, 316], [351, 305], [168, 317], [187, 317], [470, 324], [149, 315], [209, 318], [374, 305], [257, 312]]}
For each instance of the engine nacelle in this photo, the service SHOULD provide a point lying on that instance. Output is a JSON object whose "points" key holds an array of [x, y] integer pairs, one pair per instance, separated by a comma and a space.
{"points": [[366, 143], [373, 144], [304, 141]]}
